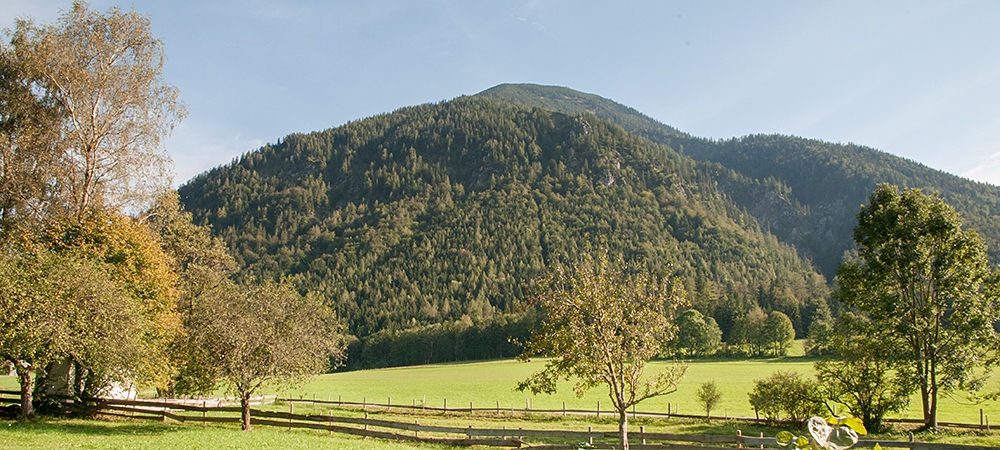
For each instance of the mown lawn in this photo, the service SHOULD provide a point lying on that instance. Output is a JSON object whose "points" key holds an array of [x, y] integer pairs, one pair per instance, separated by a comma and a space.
{"points": [[94, 434], [484, 384]]}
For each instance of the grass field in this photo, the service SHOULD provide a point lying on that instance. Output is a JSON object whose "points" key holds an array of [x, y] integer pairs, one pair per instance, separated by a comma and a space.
{"points": [[92, 434], [486, 383], [482, 383]]}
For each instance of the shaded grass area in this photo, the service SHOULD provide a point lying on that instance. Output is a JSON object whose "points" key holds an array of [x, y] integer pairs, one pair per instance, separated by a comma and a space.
{"points": [[124, 434]]}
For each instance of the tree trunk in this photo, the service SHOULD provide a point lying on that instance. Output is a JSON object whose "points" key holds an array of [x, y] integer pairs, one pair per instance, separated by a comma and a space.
{"points": [[932, 421], [24, 377], [245, 407], [623, 426]]}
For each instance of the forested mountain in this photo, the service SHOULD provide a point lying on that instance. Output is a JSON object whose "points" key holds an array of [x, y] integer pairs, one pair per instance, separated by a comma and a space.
{"points": [[805, 192], [444, 213]]}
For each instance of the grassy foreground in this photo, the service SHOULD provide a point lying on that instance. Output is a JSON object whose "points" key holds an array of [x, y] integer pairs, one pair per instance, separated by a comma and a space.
{"points": [[93, 434], [483, 384]]}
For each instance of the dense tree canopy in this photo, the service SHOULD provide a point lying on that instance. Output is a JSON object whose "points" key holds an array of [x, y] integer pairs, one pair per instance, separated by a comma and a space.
{"points": [[922, 281], [435, 212], [804, 191]]}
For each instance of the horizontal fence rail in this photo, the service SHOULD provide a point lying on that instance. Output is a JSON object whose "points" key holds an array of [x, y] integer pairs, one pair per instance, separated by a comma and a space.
{"points": [[394, 430], [579, 412]]}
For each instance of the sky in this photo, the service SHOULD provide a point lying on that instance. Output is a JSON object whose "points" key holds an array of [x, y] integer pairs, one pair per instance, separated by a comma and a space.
{"points": [[916, 79]]}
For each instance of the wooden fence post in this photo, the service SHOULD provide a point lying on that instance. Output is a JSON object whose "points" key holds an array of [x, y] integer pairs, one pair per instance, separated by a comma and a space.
{"points": [[564, 408], [291, 410], [598, 409], [739, 439], [590, 437], [366, 421], [204, 412], [331, 423], [388, 406], [642, 433], [446, 404]]}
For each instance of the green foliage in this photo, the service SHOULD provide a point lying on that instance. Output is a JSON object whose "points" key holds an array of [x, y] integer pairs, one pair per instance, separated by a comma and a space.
{"points": [[602, 326], [252, 335], [462, 340], [819, 340], [709, 395], [779, 332], [803, 191], [857, 376], [696, 335], [922, 281], [785, 395], [433, 212]]}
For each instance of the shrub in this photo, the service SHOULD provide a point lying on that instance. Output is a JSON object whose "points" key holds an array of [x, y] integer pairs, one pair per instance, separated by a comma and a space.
{"points": [[785, 395], [709, 396]]}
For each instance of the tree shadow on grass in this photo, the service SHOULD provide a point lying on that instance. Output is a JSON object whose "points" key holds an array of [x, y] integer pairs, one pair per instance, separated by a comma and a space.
{"points": [[93, 427]]}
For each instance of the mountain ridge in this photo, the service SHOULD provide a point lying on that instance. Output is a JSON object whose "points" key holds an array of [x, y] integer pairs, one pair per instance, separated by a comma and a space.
{"points": [[439, 211], [815, 213]]}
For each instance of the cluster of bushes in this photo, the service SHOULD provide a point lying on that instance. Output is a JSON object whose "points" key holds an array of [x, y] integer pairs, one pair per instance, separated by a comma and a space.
{"points": [[461, 340]]}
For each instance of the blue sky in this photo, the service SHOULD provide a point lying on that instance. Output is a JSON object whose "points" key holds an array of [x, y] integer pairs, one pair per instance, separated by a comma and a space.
{"points": [[917, 79]]}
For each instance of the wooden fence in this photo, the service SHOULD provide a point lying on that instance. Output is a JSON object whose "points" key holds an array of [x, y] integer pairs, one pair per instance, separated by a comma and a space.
{"points": [[387, 429], [497, 409]]}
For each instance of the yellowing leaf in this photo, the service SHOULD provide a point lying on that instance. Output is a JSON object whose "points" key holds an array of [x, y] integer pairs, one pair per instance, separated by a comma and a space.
{"points": [[855, 424], [784, 438]]}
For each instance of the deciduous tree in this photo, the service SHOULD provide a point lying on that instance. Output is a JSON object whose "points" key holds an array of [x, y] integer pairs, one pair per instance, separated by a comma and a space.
{"points": [[858, 377], [123, 252], [258, 334], [779, 332], [602, 326], [696, 334], [921, 280], [104, 72]]}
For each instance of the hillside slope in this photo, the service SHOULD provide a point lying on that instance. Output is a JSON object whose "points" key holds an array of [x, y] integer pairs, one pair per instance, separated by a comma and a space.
{"points": [[805, 192], [440, 211]]}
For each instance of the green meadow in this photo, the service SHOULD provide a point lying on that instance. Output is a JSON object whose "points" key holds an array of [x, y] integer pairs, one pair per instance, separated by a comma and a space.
{"points": [[485, 384], [105, 434]]}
